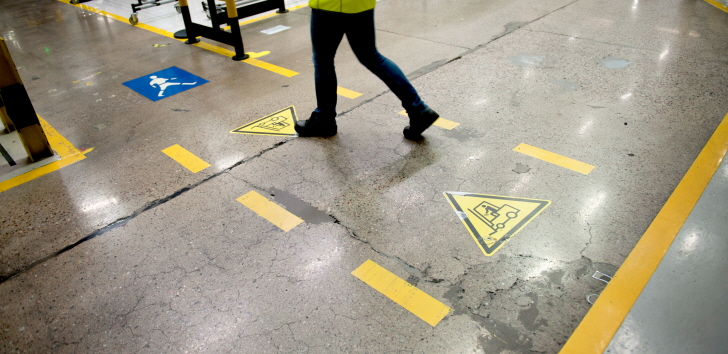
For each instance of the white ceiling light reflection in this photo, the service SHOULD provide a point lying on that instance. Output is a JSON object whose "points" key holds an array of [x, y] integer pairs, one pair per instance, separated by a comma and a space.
{"points": [[586, 126], [97, 205], [634, 4], [228, 162], [690, 243], [522, 182], [540, 269], [626, 95], [664, 54], [668, 30], [593, 204]]}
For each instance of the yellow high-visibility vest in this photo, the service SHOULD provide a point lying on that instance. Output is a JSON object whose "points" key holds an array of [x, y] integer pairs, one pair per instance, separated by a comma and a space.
{"points": [[343, 6]]}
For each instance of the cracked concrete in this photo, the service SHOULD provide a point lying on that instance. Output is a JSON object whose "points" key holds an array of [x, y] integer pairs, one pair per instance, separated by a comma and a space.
{"points": [[128, 252]]}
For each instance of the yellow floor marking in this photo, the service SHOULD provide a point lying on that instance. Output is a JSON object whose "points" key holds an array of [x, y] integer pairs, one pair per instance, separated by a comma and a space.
{"points": [[270, 211], [186, 158], [493, 219], [242, 23], [717, 4], [207, 46], [67, 153], [609, 311], [347, 93], [280, 123], [556, 159], [414, 300], [440, 122]]}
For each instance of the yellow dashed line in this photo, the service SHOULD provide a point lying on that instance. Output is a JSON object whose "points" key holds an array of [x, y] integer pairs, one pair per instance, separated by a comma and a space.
{"points": [[440, 122], [556, 159], [347, 93], [270, 211], [207, 46], [186, 158], [598, 327], [414, 300]]}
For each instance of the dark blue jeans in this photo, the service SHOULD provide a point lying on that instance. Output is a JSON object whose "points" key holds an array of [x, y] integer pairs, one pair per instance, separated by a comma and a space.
{"points": [[327, 30]]}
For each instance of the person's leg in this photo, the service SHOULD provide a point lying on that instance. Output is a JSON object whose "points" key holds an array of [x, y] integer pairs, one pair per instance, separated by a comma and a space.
{"points": [[326, 35], [360, 34]]}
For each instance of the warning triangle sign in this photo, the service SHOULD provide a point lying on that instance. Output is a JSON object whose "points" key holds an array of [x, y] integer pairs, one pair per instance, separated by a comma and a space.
{"points": [[280, 123], [493, 219]]}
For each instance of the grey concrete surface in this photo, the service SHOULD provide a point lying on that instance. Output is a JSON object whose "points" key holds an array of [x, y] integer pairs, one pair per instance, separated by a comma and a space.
{"points": [[189, 269], [681, 309]]}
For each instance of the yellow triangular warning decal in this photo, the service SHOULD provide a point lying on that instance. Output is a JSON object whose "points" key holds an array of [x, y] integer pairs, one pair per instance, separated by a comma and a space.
{"points": [[493, 219], [280, 123]]}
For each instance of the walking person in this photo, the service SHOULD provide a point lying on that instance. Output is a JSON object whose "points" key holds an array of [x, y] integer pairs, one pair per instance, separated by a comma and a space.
{"points": [[330, 21]]}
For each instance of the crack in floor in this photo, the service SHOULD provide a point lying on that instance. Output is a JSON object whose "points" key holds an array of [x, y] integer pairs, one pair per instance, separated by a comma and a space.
{"points": [[510, 28]]}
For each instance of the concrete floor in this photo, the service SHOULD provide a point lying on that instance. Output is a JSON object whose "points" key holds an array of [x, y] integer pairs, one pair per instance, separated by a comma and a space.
{"points": [[696, 259], [165, 260]]}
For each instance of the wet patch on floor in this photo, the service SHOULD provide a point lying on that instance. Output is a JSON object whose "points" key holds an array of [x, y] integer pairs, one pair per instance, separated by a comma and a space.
{"points": [[528, 60], [521, 168], [102, 126], [564, 85], [614, 63], [303, 210], [462, 135]]}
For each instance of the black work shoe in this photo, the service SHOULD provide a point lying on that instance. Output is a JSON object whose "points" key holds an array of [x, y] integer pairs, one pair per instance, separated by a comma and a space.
{"points": [[419, 122], [316, 126]]}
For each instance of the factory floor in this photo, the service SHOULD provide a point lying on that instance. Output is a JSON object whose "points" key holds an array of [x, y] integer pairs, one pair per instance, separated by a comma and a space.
{"points": [[184, 214]]}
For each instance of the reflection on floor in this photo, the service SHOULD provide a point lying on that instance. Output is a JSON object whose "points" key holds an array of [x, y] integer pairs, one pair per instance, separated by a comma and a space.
{"points": [[201, 223]]}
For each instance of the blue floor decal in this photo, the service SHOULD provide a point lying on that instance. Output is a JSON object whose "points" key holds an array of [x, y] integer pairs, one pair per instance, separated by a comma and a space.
{"points": [[164, 83]]}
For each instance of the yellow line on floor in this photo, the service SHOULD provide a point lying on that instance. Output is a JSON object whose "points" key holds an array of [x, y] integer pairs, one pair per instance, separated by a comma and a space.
{"points": [[414, 300], [242, 23], [66, 151], [186, 158], [270, 211], [440, 122], [556, 159], [600, 324], [207, 46], [347, 93], [717, 4]]}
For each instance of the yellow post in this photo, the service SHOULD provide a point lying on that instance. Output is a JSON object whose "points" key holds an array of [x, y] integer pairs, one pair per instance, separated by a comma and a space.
{"points": [[232, 9]]}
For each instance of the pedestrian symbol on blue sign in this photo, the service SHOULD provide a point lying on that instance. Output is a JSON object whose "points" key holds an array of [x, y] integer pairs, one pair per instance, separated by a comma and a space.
{"points": [[164, 83]]}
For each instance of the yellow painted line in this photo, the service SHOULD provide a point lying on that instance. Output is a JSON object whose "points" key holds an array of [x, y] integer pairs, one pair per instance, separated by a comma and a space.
{"points": [[556, 159], [414, 300], [440, 122], [717, 4], [347, 93], [186, 158], [446, 124], [66, 151], [270, 211], [242, 23], [207, 46], [609, 311]]}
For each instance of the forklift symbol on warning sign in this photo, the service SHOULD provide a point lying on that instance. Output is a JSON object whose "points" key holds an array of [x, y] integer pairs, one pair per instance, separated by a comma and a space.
{"points": [[275, 124], [493, 216], [493, 219]]}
